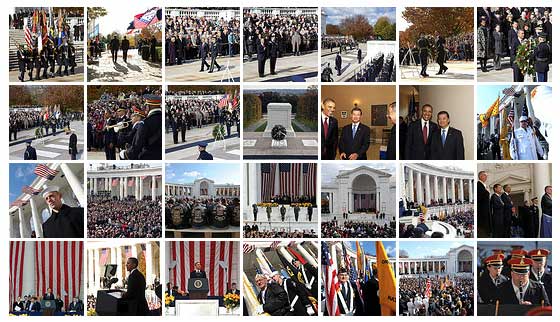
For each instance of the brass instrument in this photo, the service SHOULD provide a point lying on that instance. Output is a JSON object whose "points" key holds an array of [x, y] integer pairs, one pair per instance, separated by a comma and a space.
{"points": [[119, 126]]}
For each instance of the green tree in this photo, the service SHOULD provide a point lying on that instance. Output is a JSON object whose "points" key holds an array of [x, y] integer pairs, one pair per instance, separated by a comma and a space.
{"points": [[384, 29], [252, 109]]}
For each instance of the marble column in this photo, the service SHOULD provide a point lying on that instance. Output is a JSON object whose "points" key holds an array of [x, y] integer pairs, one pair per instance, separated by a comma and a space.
{"points": [[462, 190], [436, 188], [24, 227], [37, 219], [90, 278], [419, 194], [444, 182], [149, 264], [119, 265], [141, 188], [410, 185], [453, 189], [97, 270], [95, 185], [428, 193], [154, 188], [75, 183], [471, 196]]}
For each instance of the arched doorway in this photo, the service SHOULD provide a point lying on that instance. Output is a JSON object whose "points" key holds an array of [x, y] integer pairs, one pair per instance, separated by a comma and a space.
{"points": [[204, 188], [464, 262], [364, 194]]}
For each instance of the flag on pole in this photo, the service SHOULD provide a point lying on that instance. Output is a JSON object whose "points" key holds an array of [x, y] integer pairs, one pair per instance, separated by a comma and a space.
{"points": [[143, 20], [387, 282], [330, 278], [43, 171], [30, 190]]}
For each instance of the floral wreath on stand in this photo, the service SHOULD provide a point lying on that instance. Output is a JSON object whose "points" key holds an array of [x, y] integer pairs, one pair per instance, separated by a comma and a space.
{"points": [[279, 132]]}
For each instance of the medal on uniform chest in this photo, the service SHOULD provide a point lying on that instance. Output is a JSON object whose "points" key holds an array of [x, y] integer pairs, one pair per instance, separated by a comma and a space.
{"points": [[219, 219], [198, 216]]}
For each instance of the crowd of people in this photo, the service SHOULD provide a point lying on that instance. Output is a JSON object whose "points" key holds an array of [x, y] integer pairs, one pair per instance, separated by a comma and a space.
{"points": [[185, 212], [463, 221], [127, 125], [32, 303], [182, 115], [449, 296], [458, 48], [253, 231], [502, 31], [190, 37], [356, 229], [42, 122], [498, 217], [109, 217]]}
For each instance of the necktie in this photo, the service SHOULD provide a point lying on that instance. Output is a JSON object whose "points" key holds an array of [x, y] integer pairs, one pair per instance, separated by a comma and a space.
{"points": [[520, 295], [344, 291], [443, 137], [353, 131], [425, 132], [325, 127]]}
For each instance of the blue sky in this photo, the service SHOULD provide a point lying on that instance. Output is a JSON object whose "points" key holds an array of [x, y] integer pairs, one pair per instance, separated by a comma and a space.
{"points": [[487, 95], [188, 172], [419, 249], [336, 15], [330, 170], [21, 174], [369, 247]]}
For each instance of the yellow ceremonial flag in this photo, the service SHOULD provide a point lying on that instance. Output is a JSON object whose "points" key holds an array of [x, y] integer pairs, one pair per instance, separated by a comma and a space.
{"points": [[387, 282], [493, 110], [504, 143], [496, 107], [359, 256]]}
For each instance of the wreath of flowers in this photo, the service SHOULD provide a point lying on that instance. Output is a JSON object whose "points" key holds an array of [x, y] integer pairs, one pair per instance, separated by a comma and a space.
{"points": [[524, 58], [278, 132]]}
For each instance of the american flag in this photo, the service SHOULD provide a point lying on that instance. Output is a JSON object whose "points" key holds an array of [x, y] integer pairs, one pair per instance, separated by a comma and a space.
{"points": [[131, 183], [30, 190], [115, 182], [27, 32], [290, 175], [510, 91], [55, 264], [45, 172], [309, 178], [274, 244], [511, 116], [223, 101], [103, 256], [268, 175], [18, 203], [428, 291], [209, 254], [248, 248], [331, 279]]}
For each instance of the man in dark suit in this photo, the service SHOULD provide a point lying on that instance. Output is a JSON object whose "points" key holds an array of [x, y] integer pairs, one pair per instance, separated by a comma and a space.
{"points": [[392, 145], [49, 295], [521, 290], [35, 306], [125, 44], [546, 207], [198, 272], [273, 51], [491, 279], [539, 273], [233, 289], [370, 292], [349, 301], [516, 42], [329, 129], [214, 49], [114, 48], [273, 299], [76, 306], [136, 287], [484, 223], [151, 140], [497, 212], [508, 210], [338, 64], [261, 56], [354, 141], [419, 136], [73, 145], [448, 145], [203, 53]]}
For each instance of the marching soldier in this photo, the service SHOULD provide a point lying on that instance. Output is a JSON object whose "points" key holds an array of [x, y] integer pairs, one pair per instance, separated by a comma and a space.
{"points": [[63, 55], [72, 57], [22, 62], [214, 49], [521, 290], [542, 56], [35, 62], [423, 46], [51, 52], [539, 272], [338, 64], [440, 45], [44, 63], [491, 279]]}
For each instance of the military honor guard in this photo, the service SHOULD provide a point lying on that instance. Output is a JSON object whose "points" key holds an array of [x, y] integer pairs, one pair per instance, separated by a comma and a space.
{"points": [[521, 289], [491, 279], [539, 272]]}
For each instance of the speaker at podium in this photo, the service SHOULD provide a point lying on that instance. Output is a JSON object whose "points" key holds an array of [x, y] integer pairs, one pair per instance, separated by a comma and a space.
{"points": [[198, 288], [48, 307], [110, 302]]}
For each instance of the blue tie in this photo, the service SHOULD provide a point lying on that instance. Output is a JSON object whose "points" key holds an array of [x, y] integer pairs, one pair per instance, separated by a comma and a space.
{"points": [[442, 137], [353, 131]]}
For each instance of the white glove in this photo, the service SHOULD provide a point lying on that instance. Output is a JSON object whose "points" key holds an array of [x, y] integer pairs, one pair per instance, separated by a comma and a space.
{"points": [[310, 310], [121, 154], [259, 309]]}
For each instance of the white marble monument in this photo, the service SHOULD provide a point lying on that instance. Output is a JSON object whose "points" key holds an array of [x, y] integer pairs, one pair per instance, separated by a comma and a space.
{"points": [[279, 114]]}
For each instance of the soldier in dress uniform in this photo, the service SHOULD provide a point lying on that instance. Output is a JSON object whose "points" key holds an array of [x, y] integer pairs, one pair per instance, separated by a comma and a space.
{"points": [[134, 140], [151, 139], [542, 55], [203, 155], [440, 46], [43, 63], [539, 273], [72, 58], [63, 55], [525, 145], [522, 290], [64, 221], [22, 62], [30, 153], [283, 213], [300, 305], [214, 49], [273, 51], [296, 212], [73, 144], [338, 64], [51, 53], [423, 47], [124, 129], [491, 279]]}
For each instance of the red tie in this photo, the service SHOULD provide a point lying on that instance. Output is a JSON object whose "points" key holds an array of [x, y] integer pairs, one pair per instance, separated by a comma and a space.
{"points": [[325, 127], [425, 132]]}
